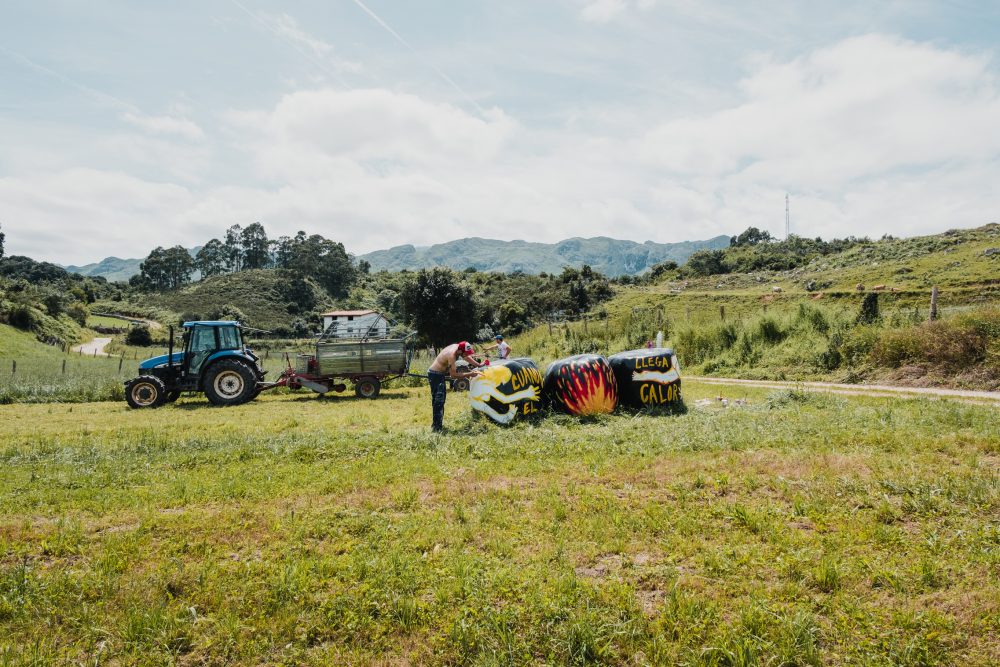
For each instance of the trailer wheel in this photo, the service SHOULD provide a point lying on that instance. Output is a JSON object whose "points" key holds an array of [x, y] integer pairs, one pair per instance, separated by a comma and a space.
{"points": [[145, 391], [461, 384], [367, 387], [229, 382]]}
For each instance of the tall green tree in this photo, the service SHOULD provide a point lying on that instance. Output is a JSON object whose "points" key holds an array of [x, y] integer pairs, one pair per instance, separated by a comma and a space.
{"points": [[253, 240], [440, 306], [2, 237], [211, 260], [179, 266], [234, 249], [165, 269], [326, 261]]}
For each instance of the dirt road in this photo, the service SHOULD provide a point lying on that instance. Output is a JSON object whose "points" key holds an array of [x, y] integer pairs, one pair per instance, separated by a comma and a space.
{"points": [[93, 348], [982, 397]]}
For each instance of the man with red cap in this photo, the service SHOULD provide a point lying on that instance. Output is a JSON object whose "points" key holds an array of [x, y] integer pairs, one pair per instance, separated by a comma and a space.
{"points": [[444, 366]]}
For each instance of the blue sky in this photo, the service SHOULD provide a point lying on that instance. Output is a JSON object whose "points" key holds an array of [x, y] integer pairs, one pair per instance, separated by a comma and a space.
{"points": [[127, 125]]}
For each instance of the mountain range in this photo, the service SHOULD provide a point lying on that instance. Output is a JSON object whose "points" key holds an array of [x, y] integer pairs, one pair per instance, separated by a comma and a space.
{"points": [[612, 257]]}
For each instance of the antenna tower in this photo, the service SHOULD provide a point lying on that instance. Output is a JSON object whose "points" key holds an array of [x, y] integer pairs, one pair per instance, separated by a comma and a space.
{"points": [[788, 219]]}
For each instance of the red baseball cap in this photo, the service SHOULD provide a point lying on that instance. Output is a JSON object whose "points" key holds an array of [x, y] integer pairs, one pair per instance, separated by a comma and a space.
{"points": [[465, 348]]}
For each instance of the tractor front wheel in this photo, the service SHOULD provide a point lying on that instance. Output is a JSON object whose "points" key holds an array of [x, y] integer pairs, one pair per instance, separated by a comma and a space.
{"points": [[229, 382], [145, 391], [367, 387]]}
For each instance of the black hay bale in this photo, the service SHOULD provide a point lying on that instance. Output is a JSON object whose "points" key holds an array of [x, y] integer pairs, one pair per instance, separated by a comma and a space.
{"points": [[647, 377]]}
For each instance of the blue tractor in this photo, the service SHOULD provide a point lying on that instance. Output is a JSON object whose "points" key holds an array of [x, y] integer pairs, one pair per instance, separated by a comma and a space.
{"points": [[215, 361]]}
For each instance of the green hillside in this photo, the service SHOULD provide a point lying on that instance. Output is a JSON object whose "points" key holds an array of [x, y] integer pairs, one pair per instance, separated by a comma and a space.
{"points": [[267, 298], [803, 323]]}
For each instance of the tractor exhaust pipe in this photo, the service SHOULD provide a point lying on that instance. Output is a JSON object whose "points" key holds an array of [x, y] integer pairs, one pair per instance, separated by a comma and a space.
{"points": [[170, 350]]}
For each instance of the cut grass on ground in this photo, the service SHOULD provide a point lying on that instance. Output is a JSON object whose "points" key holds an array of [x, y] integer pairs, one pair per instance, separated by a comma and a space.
{"points": [[798, 529]]}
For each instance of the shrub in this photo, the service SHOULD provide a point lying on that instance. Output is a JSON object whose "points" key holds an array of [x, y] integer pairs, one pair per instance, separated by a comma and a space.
{"points": [[24, 317], [946, 343], [868, 314], [140, 336]]}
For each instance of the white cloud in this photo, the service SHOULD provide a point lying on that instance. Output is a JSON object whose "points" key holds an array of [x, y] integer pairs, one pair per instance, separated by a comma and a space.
{"points": [[603, 11], [870, 135], [180, 127]]}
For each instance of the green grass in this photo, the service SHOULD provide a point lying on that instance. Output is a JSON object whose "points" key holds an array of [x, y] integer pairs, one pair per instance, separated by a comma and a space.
{"points": [[800, 529], [18, 344], [109, 322]]}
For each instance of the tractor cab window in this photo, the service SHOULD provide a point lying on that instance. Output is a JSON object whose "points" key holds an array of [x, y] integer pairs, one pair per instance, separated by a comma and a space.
{"points": [[229, 338], [202, 345], [202, 339]]}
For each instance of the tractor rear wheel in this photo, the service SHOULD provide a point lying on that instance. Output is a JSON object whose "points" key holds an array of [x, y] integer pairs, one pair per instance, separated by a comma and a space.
{"points": [[230, 382], [145, 391], [367, 387]]}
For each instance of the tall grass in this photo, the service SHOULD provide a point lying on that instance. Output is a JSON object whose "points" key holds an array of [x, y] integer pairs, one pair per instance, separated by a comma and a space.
{"points": [[806, 341]]}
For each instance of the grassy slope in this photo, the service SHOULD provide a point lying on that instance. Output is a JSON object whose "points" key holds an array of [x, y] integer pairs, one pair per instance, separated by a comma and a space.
{"points": [[23, 345], [303, 531], [257, 294], [956, 262]]}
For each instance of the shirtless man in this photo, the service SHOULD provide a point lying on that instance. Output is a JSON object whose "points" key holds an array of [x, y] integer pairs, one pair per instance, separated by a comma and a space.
{"points": [[444, 367]]}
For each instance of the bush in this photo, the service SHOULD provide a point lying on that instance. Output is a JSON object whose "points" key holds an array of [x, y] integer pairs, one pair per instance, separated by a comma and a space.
{"points": [[139, 336], [79, 313], [24, 317]]}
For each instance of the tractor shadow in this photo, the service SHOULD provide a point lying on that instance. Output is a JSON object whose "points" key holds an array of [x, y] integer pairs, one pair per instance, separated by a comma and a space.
{"points": [[195, 404]]}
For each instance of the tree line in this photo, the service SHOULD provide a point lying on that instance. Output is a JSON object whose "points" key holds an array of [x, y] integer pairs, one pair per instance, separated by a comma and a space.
{"points": [[248, 248]]}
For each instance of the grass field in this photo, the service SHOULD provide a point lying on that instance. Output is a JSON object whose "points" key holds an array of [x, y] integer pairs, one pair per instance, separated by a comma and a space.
{"points": [[797, 529]]}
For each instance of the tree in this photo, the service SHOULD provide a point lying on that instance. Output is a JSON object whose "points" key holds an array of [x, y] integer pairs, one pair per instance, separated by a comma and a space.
{"points": [[512, 317], [706, 263], [211, 259], [752, 236], [323, 260], [2, 237], [165, 269], [234, 249], [440, 307], [253, 240]]}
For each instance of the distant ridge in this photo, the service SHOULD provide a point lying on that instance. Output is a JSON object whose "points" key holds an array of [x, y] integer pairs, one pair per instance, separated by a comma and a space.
{"points": [[612, 257], [114, 268]]}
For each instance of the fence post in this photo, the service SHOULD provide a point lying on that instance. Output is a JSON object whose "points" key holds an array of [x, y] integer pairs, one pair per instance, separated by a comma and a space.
{"points": [[13, 366], [64, 367], [120, 362], [934, 298], [585, 324], [550, 328], [722, 313]]}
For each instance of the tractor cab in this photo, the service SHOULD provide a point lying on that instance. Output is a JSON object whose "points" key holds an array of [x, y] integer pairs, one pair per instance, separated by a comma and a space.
{"points": [[214, 360]]}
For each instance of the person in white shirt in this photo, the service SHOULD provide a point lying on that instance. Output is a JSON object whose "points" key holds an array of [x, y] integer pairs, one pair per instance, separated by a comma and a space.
{"points": [[501, 346]]}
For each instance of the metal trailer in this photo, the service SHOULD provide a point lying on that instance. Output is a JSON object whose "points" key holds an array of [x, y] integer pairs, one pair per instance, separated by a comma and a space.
{"points": [[365, 361]]}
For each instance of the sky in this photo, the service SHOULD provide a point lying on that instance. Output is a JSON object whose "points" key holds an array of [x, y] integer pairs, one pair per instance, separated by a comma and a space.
{"points": [[130, 125]]}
